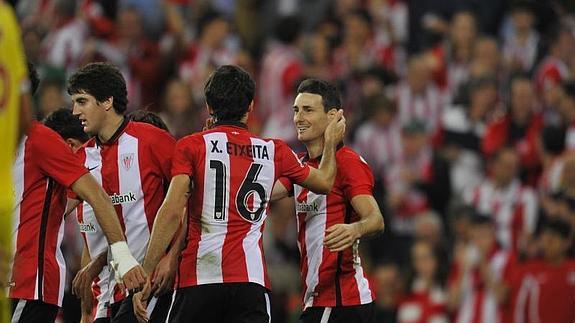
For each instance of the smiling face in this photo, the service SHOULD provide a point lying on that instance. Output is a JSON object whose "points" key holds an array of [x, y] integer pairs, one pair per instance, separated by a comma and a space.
{"points": [[310, 118], [91, 113]]}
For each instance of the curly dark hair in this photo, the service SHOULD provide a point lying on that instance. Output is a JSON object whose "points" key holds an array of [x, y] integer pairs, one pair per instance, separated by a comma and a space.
{"points": [[102, 81], [329, 93], [229, 92], [66, 125]]}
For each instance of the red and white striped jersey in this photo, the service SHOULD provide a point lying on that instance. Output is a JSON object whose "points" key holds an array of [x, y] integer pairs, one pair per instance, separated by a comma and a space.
{"points": [[547, 293], [424, 305], [427, 107], [332, 278], [514, 209], [232, 173], [133, 167], [45, 166], [478, 303], [281, 69]]}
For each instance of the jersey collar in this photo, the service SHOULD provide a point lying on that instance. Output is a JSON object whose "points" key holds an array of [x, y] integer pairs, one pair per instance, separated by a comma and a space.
{"points": [[116, 134]]}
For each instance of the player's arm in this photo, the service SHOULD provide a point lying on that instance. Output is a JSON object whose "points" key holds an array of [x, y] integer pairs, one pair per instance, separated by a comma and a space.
{"points": [[321, 180], [71, 204], [88, 189], [167, 221], [342, 236], [81, 285], [279, 191]]}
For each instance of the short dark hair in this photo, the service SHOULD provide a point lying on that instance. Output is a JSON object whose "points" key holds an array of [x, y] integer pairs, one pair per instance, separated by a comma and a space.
{"points": [[229, 92], [102, 81], [329, 94], [148, 117], [553, 139], [66, 125], [559, 227]]}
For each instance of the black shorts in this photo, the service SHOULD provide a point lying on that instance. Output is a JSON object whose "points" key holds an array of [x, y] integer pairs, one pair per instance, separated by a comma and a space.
{"points": [[123, 312], [221, 303], [344, 314], [26, 311]]}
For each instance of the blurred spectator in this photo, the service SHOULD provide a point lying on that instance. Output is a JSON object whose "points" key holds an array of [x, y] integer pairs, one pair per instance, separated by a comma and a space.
{"points": [[547, 292], [389, 289], [378, 140], [178, 111], [518, 128], [318, 57], [480, 277], [63, 46], [566, 109], [50, 97], [426, 301], [135, 55], [463, 127], [449, 61], [511, 205], [554, 69], [551, 148], [521, 47], [417, 97], [486, 59], [429, 228], [208, 51], [562, 202], [281, 69]]}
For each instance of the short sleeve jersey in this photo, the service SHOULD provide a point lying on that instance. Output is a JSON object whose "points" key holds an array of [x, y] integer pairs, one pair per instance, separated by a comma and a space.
{"points": [[232, 174], [45, 166], [332, 278]]}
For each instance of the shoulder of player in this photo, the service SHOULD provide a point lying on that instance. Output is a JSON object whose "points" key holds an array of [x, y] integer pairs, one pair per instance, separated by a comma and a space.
{"points": [[42, 134], [346, 155]]}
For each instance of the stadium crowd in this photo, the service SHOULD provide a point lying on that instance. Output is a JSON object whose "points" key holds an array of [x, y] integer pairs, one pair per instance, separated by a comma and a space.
{"points": [[463, 109]]}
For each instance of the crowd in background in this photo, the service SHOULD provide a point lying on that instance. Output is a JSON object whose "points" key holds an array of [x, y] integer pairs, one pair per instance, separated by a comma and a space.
{"points": [[464, 109]]}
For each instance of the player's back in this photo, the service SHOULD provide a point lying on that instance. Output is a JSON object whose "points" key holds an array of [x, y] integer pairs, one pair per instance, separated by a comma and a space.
{"points": [[233, 173]]}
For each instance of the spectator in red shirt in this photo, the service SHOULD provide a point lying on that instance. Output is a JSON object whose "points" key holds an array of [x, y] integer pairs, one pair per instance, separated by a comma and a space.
{"points": [[427, 300], [519, 128], [547, 292]]}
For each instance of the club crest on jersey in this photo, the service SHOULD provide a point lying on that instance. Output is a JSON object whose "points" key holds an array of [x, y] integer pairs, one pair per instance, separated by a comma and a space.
{"points": [[127, 160]]}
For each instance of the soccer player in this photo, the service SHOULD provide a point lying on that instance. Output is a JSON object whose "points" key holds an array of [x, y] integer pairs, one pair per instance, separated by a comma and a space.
{"points": [[132, 162], [14, 106], [330, 226], [222, 270], [45, 166]]}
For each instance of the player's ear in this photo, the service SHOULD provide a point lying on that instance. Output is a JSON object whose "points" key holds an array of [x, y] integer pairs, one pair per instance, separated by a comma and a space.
{"points": [[108, 103], [210, 110], [331, 113], [251, 107]]}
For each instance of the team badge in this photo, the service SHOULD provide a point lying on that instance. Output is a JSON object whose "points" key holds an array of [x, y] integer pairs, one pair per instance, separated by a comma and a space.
{"points": [[127, 160]]}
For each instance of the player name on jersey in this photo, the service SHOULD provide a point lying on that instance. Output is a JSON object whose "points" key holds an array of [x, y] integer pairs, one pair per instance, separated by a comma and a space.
{"points": [[252, 151]]}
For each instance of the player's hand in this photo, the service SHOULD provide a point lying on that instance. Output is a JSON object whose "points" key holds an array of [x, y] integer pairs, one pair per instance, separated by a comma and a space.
{"points": [[341, 236], [335, 129], [135, 279], [140, 303], [82, 283], [164, 275]]}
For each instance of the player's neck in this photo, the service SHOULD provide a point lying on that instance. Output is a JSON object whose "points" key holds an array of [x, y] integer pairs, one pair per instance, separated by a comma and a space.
{"points": [[314, 148], [111, 126]]}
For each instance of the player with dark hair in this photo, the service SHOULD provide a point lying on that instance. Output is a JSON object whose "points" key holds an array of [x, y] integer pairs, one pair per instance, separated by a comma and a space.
{"points": [[223, 276], [330, 226], [44, 168], [68, 127], [132, 162]]}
